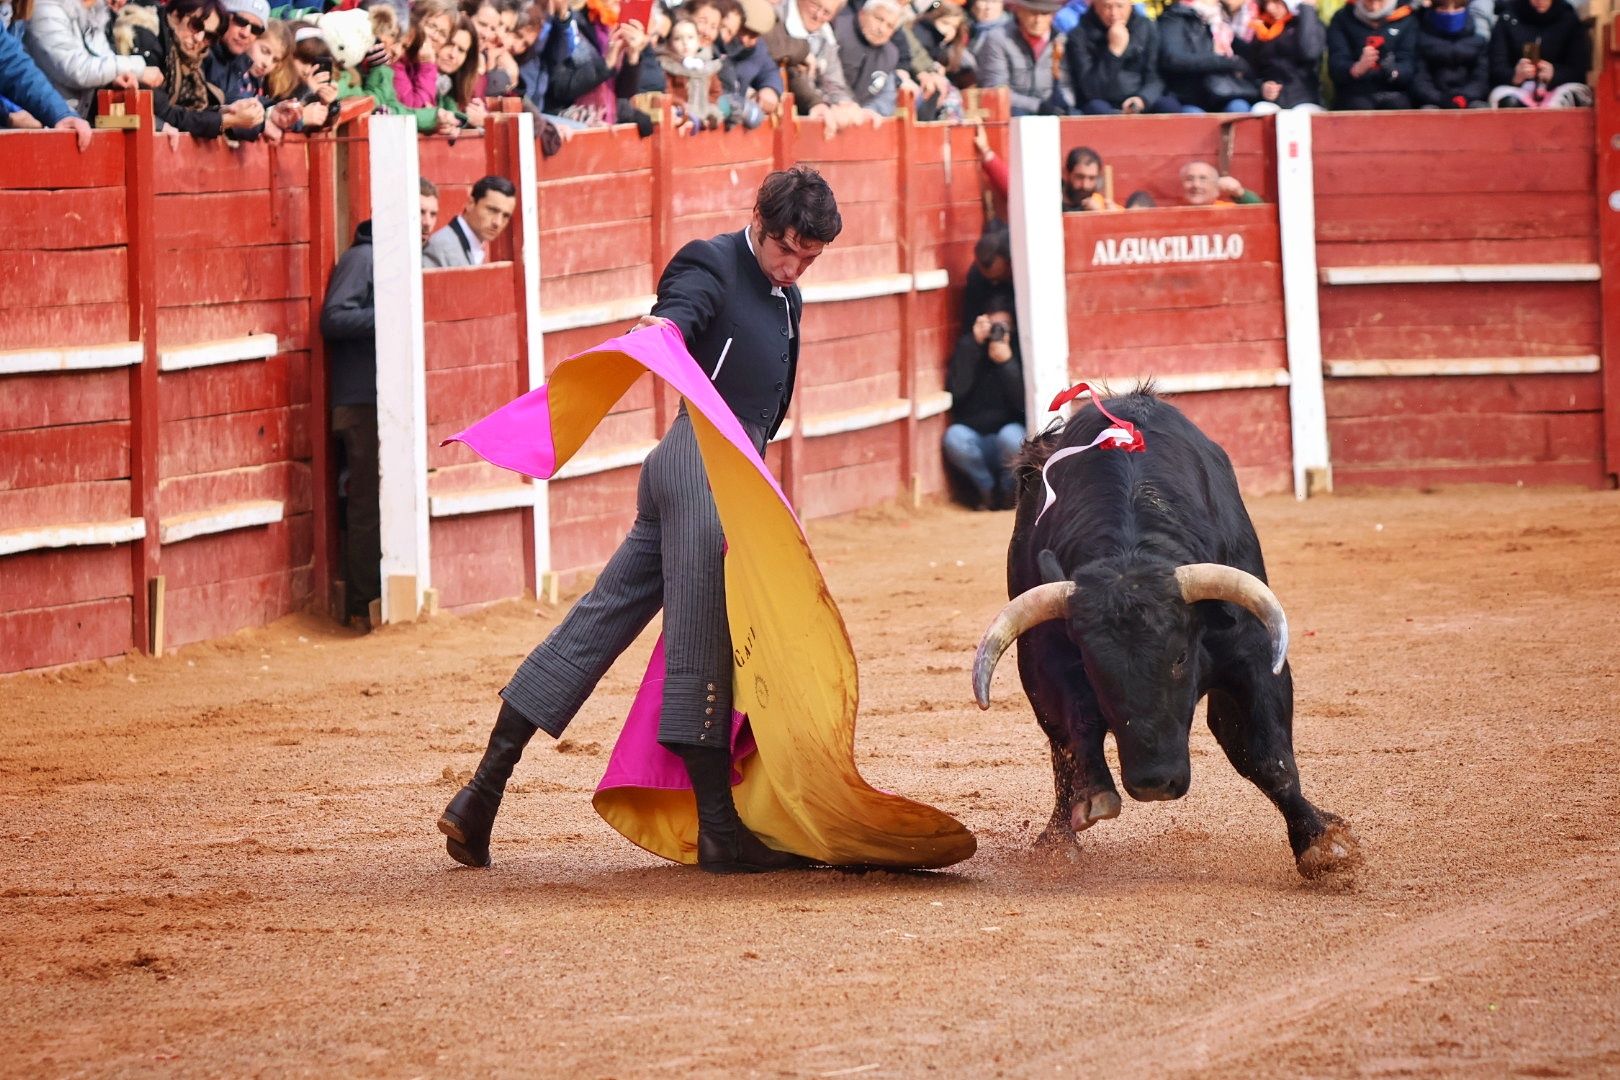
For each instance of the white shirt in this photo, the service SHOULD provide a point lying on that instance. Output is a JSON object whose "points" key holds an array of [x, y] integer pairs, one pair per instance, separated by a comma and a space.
{"points": [[475, 246], [776, 290]]}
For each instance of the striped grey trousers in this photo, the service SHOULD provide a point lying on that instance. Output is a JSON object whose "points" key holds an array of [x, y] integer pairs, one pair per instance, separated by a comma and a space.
{"points": [[670, 559]]}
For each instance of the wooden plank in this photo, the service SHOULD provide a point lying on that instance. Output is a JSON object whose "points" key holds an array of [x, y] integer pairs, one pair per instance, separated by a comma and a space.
{"points": [[1491, 132], [39, 457], [861, 143], [588, 247], [847, 263], [212, 165], [570, 201], [594, 288], [1257, 225], [1382, 217], [232, 219], [62, 220], [1129, 364], [470, 292], [588, 497], [45, 637], [1466, 438], [598, 152], [1459, 304], [561, 344], [288, 320], [474, 476], [585, 544], [97, 500], [231, 275], [50, 399], [242, 553], [724, 148], [213, 610], [235, 388], [471, 342], [461, 163], [214, 443], [58, 576], [478, 559], [729, 187], [1587, 474], [839, 491], [1465, 394], [52, 160], [853, 448], [465, 394], [829, 402], [1261, 320], [288, 482], [1171, 287], [1556, 250], [1442, 172], [30, 279], [64, 326], [824, 323]]}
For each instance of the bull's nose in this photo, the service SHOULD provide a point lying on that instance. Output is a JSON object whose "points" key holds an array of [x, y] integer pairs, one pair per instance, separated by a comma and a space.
{"points": [[1158, 788]]}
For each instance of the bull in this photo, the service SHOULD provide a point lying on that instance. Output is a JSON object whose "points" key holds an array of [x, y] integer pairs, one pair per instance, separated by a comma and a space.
{"points": [[1137, 592]]}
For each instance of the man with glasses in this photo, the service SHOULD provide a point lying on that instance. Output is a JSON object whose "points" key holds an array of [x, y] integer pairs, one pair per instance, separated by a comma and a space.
{"points": [[230, 58]]}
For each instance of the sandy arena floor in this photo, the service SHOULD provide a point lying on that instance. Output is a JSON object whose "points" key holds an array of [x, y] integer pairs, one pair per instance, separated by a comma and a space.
{"points": [[223, 862]]}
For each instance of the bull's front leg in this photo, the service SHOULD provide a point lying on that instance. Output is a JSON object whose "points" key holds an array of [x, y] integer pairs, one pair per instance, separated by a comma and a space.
{"points": [[1254, 725], [1083, 789]]}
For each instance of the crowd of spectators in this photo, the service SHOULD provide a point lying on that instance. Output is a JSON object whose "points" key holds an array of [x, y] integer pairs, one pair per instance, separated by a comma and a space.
{"points": [[239, 68]]}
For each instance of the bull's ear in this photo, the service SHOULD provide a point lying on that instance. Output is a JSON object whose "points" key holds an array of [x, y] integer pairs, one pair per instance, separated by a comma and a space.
{"points": [[1051, 569]]}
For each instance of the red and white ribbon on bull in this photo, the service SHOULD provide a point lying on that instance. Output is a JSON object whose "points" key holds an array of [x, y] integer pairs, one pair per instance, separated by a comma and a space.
{"points": [[1122, 435]]}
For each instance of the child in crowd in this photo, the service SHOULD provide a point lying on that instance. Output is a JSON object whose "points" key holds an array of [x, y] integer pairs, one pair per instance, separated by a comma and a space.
{"points": [[693, 79]]}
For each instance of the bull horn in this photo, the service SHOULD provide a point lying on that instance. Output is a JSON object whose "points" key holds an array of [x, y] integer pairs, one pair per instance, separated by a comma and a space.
{"points": [[1029, 608], [1215, 581]]}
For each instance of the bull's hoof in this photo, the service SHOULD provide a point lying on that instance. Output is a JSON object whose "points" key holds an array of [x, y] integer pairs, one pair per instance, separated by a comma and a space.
{"points": [[1337, 850], [1092, 809]]}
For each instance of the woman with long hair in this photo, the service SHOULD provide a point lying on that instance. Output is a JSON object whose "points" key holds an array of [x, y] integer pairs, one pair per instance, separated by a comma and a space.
{"points": [[176, 40]]}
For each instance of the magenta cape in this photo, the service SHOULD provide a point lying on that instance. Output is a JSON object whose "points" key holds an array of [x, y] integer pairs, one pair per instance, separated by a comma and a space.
{"points": [[794, 681]]}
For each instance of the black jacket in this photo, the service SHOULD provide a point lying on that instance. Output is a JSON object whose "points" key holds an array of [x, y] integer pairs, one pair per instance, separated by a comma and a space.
{"points": [[1192, 70], [1450, 66], [1564, 42], [154, 49], [1096, 74], [1292, 58], [349, 324], [745, 339], [1347, 36], [985, 395], [868, 69]]}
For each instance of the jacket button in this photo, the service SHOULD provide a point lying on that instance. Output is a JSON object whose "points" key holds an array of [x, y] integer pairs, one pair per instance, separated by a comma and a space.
{"points": [[708, 723], [779, 386], [709, 711], [702, 736], [784, 331], [784, 358], [710, 686], [764, 414]]}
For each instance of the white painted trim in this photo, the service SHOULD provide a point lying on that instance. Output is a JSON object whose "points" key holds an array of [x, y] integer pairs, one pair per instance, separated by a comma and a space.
{"points": [[856, 289], [482, 500], [226, 517], [1296, 226], [1198, 382], [396, 237], [785, 432], [1035, 208], [933, 404], [1425, 275], [607, 461], [529, 244], [38, 537], [224, 351], [929, 280], [71, 358], [611, 311], [1473, 365], [859, 419]]}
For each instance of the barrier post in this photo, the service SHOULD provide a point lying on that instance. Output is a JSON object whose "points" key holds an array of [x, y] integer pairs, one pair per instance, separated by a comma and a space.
{"points": [[139, 215], [1608, 211], [785, 153], [910, 480], [396, 237], [666, 402], [1296, 226], [1035, 213], [323, 245]]}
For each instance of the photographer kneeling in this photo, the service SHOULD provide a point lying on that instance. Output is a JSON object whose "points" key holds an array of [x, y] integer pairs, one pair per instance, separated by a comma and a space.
{"points": [[986, 381]]}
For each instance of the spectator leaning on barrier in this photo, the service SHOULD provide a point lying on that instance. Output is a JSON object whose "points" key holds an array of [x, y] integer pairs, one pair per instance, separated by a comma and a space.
{"points": [[68, 41], [1113, 58], [1540, 52], [1202, 71], [1372, 49], [1285, 50], [1082, 182], [869, 53], [942, 32], [1453, 60], [23, 83], [748, 72], [1027, 59], [349, 325], [693, 79], [176, 41], [228, 61], [464, 240], [1203, 185], [986, 383]]}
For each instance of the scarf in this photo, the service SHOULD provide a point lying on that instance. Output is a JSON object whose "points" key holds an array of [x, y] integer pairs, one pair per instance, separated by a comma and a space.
{"points": [[1385, 11], [183, 78], [1446, 22], [1270, 31], [1220, 31]]}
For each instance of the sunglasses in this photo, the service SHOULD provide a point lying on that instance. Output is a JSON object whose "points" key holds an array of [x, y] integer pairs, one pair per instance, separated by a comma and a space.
{"points": [[256, 29], [198, 24]]}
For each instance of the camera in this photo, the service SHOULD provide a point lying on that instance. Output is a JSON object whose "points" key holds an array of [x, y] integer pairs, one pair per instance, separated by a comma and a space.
{"points": [[998, 332]]}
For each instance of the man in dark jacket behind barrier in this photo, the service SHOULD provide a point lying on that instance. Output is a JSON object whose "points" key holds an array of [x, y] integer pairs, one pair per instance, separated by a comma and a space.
{"points": [[1372, 50], [736, 303], [1540, 53], [349, 325], [1196, 70], [1453, 61], [1113, 58]]}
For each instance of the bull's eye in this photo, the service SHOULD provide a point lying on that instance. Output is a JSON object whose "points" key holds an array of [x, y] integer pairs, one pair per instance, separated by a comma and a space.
{"points": [[1181, 662]]}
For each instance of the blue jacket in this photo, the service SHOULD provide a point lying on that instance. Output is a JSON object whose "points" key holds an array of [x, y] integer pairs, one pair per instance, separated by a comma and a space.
{"points": [[24, 83]]}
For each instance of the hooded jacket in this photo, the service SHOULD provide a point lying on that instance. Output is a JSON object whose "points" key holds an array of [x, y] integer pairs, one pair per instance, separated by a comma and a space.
{"points": [[69, 42], [142, 32], [1292, 58], [349, 324], [23, 82], [1347, 35], [1451, 65], [1563, 40], [1098, 75], [1193, 71]]}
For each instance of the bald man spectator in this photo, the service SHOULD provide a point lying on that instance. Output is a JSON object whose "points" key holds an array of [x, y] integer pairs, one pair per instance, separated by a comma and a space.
{"points": [[1203, 185], [870, 54]]}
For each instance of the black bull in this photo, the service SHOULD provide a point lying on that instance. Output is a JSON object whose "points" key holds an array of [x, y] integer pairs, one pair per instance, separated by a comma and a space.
{"points": [[1138, 593]]}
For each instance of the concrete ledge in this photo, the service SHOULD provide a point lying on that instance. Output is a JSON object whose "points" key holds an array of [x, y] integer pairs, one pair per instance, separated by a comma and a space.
{"points": [[226, 351], [858, 289], [1418, 275], [82, 534], [1476, 365], [1199, 381], [481, 500], [867, 416], [227, 517], [72, 358], [933, 404]]}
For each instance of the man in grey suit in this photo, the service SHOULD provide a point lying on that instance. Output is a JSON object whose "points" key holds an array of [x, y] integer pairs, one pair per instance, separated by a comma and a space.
{"points": [[736, 304], [464, 240]]}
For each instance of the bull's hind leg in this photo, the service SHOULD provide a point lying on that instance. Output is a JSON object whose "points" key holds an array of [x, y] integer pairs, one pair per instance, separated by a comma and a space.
{"points": [[1257, 736], [1083, 789]]}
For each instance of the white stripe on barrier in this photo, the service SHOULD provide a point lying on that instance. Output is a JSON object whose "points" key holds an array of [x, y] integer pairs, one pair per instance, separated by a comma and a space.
{"points": [[588, 464], [867, 416], [1429, 275], [933, 404], [1197, 382], [217, 519], [72, 358], [39, 537], [482, 500], [225, 351], [1472, 365]]}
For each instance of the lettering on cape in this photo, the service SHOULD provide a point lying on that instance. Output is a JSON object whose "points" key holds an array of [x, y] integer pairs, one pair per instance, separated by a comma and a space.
{"points": [[1149, 250]]}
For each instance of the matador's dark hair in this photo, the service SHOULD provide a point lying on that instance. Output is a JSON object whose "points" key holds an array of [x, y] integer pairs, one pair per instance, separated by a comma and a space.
{"points": [[799, 199]]}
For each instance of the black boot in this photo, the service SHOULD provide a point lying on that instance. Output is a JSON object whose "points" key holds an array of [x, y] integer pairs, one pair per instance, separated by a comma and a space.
{"points": [[471, 814], [725, 846]]}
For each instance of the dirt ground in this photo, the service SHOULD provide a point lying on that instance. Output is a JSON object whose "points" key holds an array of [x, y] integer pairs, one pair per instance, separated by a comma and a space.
{"points": [[224, 863]]}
